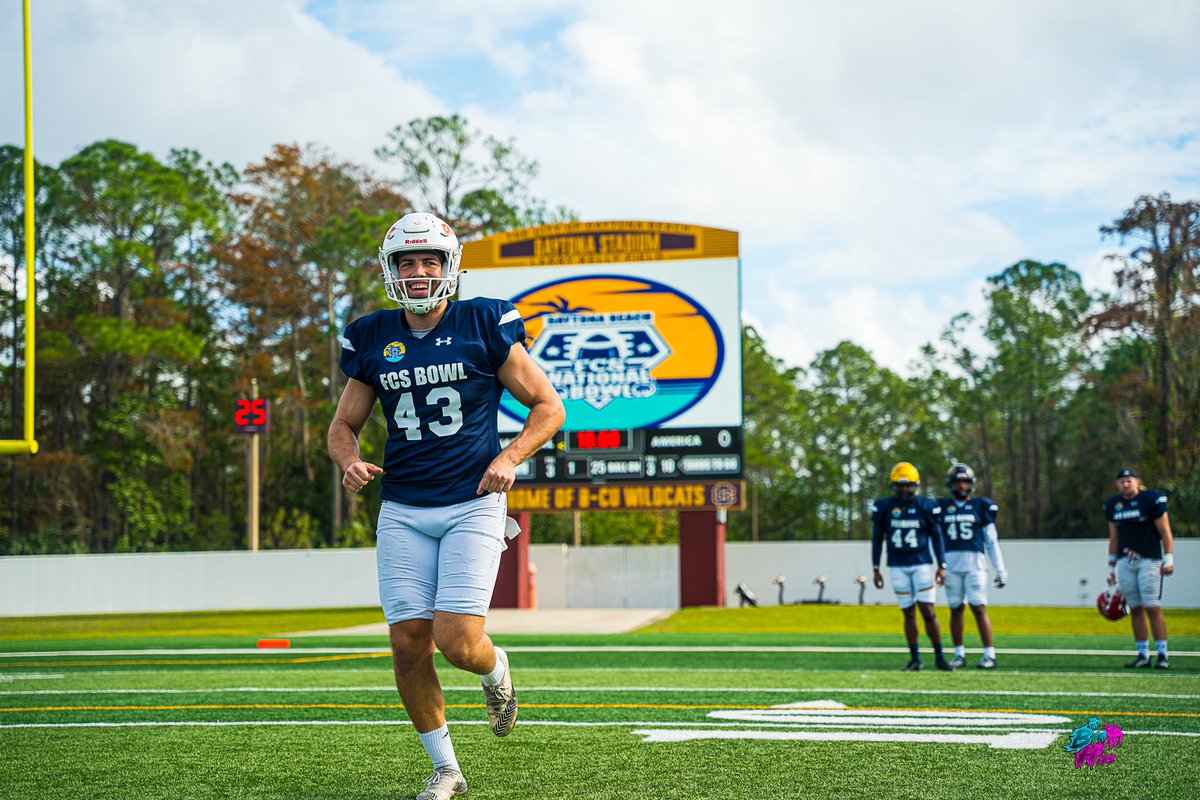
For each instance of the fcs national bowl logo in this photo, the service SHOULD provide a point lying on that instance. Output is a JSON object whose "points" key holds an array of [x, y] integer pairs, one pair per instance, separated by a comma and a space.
{"points": [[621, 351], [394, 351]]}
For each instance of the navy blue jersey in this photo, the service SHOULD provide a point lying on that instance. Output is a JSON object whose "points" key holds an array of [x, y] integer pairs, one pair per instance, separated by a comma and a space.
{"points": [[439, 395], [964, 523], [910, 528], [1135, 521]]}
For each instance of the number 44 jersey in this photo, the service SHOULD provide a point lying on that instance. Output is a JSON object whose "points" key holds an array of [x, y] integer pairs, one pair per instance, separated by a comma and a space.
{"points": [[910, 529], [439, 394]]}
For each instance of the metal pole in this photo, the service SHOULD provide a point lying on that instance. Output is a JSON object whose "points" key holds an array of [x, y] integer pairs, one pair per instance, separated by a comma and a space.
{"points": [[30, 286], [252, 520], [28, 444], [577, 524]]}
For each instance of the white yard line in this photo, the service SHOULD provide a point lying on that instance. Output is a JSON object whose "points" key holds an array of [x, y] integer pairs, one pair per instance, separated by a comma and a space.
{"points": [[600, 689], [304, 651]]}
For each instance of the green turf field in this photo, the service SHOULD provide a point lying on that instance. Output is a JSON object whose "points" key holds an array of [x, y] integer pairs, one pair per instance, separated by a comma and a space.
{"points": [[729, 703]]}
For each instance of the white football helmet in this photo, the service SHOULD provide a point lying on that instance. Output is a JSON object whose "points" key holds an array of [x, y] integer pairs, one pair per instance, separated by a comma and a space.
{"points": [[420, 232]]}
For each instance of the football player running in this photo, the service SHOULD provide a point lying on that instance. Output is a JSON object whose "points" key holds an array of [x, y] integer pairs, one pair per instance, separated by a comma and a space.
{"points": [[911, 527], [1140, 552], [438, 368], [969, 526]]}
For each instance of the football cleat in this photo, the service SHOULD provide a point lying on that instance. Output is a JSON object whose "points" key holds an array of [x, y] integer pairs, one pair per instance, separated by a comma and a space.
{"points": [[987, 662], [912, 666], [943, 664], [957, 661], [1162, 662], [501, 701], [444, 783], [1139, 662]]}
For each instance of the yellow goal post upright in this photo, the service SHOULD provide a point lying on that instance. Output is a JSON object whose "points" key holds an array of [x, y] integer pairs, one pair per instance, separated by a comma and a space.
{"points": [[29, 443]]}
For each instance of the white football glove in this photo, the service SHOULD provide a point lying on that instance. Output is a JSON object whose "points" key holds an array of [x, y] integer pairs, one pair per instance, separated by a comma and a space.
{"points": [[1001, 580]]}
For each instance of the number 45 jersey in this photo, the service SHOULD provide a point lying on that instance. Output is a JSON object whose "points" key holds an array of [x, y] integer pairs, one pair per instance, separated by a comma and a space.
{"points": [[439, 394], [969, 527]]}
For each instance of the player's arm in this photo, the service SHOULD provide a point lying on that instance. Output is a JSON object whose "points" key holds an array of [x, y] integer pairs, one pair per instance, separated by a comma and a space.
{"points": [[353, 409], [939, 545], [525, 380], [1112, 553], [1163, 524], [991, 542], [876, 550]]}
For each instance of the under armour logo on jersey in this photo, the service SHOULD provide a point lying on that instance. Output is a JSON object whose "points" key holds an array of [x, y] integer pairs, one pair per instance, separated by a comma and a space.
{"points": [[440, 341]]}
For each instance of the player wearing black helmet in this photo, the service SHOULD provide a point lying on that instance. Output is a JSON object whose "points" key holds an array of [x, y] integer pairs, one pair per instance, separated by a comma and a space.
{"points": [[969, 527]]}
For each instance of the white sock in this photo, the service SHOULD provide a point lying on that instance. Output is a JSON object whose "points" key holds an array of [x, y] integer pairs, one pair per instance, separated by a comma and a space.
{"points": [[1143, 647], [960, 650], [439, 747], [1161, 646], [989, 652], [494, 677]]}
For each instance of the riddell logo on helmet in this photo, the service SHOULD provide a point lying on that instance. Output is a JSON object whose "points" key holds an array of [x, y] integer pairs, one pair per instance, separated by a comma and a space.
{"points": [[416, 241]]}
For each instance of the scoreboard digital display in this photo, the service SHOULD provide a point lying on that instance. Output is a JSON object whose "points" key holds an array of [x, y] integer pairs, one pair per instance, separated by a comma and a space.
{"points": [[644, 454], [610, 441], [251, 415]]}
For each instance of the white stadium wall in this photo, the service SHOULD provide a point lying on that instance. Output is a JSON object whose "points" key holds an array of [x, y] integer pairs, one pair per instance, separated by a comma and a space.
{"points": [[1041, 573]]}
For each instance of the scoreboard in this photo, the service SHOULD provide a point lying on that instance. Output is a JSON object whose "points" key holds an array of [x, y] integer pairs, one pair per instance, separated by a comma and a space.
{"points": [[637, 325], [624, 454]]}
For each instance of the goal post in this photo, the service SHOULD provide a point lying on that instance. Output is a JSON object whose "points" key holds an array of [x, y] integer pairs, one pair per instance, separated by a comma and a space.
{"points": [[29, 443]]}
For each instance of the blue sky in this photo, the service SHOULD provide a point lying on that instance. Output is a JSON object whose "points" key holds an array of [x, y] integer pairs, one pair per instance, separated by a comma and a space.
{"points": [[880, 160]]}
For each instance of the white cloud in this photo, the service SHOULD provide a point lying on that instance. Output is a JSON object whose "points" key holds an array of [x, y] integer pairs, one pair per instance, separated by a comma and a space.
{"points": [[891, 322], [227, 78], [861, 149]]}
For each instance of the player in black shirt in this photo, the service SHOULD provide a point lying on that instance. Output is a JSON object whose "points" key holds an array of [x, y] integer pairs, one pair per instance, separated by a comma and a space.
{"points": [[1140, 553]]}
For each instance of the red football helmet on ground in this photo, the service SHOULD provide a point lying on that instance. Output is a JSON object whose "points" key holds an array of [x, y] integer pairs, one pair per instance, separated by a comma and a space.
{"points": [[1111, 604]]}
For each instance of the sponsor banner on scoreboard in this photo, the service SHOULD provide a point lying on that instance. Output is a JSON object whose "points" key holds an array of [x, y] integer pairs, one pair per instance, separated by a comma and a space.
{"points": [[661, 496], [625, 350], [649, 339]]}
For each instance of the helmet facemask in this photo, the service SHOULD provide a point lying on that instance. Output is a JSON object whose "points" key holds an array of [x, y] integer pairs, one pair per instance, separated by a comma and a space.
{"points": [[420, 233], [399, 291], [959, 473], [905, 480]]}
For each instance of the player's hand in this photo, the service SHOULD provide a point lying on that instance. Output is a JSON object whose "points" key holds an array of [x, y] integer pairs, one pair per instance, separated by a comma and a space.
{"points": [[499, 476], [1167, 570], [359, 474], [1001, 580], [878, 580], [940, 577], [1112, 579]]}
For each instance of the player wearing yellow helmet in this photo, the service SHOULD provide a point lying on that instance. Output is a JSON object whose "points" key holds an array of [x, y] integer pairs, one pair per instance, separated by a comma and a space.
{"points": [[910, 525]]}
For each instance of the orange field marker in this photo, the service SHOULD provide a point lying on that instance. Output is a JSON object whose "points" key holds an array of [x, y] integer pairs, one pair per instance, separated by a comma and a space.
{"points": [[274, 642]]}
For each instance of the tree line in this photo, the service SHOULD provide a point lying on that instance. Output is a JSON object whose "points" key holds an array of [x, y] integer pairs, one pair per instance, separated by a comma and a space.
{"points": [[166, 284]]}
